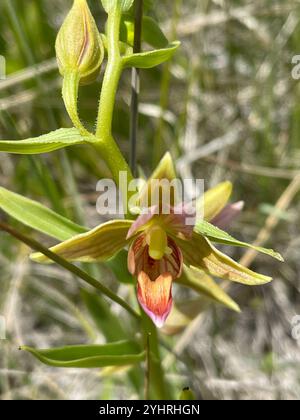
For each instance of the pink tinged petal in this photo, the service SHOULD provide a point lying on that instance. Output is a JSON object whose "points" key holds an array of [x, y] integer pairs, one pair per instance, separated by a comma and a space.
{"points": [[178, 221], [228, 214], [139, 260], [155, 297], [142, 221], [174, 220]]}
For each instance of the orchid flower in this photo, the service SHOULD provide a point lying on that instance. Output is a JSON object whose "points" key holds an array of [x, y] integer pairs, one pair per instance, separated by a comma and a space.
{"points": [[161, 246]]}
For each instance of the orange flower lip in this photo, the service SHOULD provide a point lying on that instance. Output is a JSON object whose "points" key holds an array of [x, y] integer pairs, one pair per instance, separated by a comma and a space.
{"points": [[155, 297], [155, 277]]}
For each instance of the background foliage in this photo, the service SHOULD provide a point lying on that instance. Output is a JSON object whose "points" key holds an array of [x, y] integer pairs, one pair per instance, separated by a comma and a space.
{"points": [[228, 108]]}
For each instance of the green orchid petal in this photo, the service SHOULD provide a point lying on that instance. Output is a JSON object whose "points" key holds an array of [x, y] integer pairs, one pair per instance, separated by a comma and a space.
{"points": [[99, 244], [205, 285], [200, 253], [165, 171], [215, 200]]}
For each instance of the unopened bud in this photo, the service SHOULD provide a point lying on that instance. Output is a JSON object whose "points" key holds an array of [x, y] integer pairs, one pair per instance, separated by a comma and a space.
{"points": [[79, 47]]}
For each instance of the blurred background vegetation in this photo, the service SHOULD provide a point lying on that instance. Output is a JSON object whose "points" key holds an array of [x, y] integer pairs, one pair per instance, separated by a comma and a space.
{"points": [[227, 108]]}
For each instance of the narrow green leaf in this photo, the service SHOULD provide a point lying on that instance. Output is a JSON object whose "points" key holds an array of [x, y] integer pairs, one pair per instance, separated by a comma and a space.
{"points": [[149, 59], [217, 235], [64, 137], [202, 283], [122, 353], [38, 217], [151, 32]]}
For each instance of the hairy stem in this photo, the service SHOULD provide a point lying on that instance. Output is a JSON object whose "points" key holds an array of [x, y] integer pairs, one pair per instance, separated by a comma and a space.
{"points": [[111, 78], [106, 144], [70, 97]]}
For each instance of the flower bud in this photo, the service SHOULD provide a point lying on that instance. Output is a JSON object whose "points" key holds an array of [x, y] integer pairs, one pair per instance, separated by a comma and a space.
{"points": [[79, 47]]}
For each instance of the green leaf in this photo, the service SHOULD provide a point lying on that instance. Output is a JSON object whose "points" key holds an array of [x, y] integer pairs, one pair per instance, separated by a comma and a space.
{"points": [[125, 5], [122, 353], [202, 283], [217, 235], [64, 137], [38, 217], [151, 32], [103, 317], [149, 59]]}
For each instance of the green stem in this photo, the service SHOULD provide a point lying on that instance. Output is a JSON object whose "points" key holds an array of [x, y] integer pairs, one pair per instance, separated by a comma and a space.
{"points": [[106, 144], [157, 388], [70, 96], [111, 78], [68, 266]]}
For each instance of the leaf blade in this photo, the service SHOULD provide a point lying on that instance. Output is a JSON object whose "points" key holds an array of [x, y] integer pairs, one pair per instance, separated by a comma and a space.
{"points": [[150, 59], [64, 137], [37, 216], [97, 356], [217, 235]]}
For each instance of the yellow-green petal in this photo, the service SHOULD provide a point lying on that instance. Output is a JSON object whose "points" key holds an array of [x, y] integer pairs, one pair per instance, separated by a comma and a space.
{"points": [[215, 199], [164, 171], [202, 283], [99, 244], [200, 253]]}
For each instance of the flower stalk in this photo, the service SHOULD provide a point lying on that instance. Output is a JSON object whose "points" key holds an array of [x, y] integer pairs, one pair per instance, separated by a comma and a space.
{"points": [[105, 143], [70, 96]]}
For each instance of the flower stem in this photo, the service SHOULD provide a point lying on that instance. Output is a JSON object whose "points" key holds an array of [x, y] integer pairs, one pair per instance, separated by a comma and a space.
{"points": [[111, 77], [70, 97], [156, 386], [106, 144], [68, 266]]}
